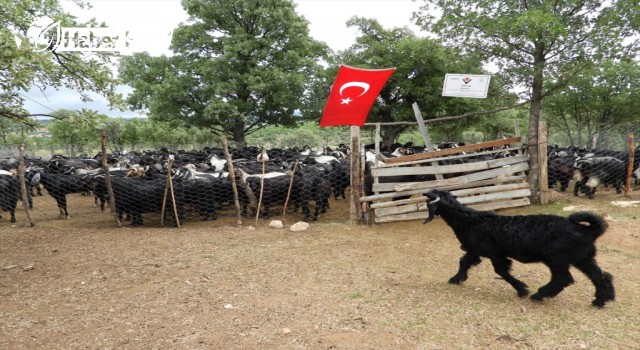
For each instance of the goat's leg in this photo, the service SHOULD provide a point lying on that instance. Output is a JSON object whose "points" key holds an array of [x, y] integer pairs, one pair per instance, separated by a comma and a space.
{"points": [[578, 187], [265, 211], [618, 186], [62, 206], [602, 280], [564, 183], [136, 218], [560, 278], [466, 262], [502, 266]]}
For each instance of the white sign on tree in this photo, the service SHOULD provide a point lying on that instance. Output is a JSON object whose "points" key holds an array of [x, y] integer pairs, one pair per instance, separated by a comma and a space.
{"points": [[466, 85]]}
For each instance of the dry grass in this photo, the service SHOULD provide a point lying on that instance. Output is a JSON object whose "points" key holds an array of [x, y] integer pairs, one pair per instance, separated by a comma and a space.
{"points": [[84, 283]]}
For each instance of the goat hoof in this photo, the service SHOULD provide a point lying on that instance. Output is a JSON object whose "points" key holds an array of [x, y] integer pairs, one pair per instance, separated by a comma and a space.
{"points": [[523, 293], [598, 303], [455, 280], [536, 297]]}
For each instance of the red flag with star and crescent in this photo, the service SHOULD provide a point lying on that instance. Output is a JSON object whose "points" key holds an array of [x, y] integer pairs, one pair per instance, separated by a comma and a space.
{"points": [[352, 95]]}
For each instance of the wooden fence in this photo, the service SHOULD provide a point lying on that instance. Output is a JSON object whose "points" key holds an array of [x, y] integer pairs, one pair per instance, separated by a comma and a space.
{"points": [[483, 185]]}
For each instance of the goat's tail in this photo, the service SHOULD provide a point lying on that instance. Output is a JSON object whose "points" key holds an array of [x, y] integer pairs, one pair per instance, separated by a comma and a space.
{"points": [[589, 224]]}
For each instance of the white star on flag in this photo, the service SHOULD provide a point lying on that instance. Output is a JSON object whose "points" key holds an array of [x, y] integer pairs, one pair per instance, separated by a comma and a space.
{"points": [[345, 101]]}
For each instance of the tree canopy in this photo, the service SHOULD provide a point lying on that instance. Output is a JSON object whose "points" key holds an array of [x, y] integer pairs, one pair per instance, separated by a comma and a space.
{"points": [[600, 96], [531, 41], [23, 67], [238, 66]]}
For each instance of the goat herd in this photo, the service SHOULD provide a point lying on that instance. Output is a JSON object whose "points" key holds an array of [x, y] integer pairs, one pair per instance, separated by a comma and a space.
{"points": [[589, 169], [200, 181]]}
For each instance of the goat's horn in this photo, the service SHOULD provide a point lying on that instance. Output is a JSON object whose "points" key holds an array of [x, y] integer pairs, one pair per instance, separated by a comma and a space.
{"points": [[432, 210]]}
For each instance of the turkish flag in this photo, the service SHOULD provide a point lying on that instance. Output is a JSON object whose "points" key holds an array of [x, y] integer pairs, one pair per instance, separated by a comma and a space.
{"points": [[353, 94]]}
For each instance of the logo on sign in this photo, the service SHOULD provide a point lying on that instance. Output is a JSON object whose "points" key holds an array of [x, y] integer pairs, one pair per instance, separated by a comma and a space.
{"points": [[45, 34]]}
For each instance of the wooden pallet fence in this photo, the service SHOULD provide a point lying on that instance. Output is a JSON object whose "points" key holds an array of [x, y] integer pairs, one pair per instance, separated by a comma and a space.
{"points": [[483, 185]]}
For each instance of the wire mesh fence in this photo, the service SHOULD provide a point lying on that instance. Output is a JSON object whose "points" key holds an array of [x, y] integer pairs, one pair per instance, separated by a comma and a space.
{"points": [[179, 185], [605, 156]]}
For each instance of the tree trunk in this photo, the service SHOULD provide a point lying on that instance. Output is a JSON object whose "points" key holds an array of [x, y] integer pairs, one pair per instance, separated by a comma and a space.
{"points": [[239, 135], [534, 118], [389, 136]]}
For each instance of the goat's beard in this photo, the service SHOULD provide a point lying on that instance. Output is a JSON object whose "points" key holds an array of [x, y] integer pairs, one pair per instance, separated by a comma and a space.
{"points": [[432, 205]]}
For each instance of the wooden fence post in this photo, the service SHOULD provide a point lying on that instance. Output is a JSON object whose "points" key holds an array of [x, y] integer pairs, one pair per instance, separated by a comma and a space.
{"points": [[23, 186], [543, 179], [107, 178], [425, 135], [232, 177], [355, 210], [627, 183]]}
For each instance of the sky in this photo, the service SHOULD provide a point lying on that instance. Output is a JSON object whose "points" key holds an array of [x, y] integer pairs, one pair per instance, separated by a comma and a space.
{"points": [[150, 23]]}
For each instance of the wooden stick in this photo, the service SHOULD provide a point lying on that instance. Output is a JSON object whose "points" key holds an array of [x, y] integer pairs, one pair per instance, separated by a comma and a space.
{"points": [[107, 179], [173, 197], [286, 202], [232, 176], [23, 187], [448, 151], [261, 190], [164, 202]]}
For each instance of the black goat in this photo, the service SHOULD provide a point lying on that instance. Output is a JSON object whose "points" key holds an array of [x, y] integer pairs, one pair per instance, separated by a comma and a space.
{"points": [[339, 177], [136, 196], [590, 172], [58, 186], [9, 195], [553, 240], [560, 169], [312, 184], [208, 195]]}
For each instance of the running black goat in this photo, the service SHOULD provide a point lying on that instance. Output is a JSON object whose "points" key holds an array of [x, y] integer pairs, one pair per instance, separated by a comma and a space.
{"points": [[555, 241]]}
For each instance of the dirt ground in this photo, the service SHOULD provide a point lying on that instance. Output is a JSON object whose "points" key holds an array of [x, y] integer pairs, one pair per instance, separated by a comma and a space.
{"points": [[84, 283]]}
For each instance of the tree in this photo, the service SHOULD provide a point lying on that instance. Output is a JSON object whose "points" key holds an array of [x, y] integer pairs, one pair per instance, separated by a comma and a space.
{"points": [[76, 129], [531, 41], [130, 134], [421, 65], [598, 97], [23, 67], [113, 129], [238, 66]]}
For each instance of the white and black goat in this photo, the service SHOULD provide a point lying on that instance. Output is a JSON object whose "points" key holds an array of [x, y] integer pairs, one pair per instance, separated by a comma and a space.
{"points": [[553, 240]]}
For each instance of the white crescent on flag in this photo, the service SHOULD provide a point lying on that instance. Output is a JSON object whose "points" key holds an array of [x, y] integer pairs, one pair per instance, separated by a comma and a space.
{"points": [[360, 84]]}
